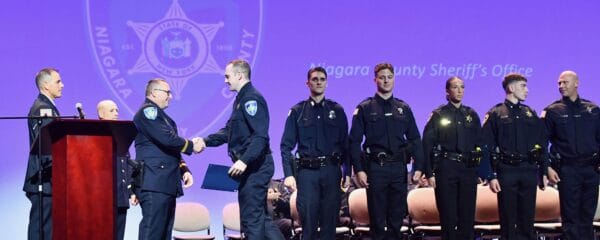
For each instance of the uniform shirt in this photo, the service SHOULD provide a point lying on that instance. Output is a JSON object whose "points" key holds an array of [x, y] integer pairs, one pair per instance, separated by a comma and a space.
{"points": [[317, 129], [455, 129], [514, 128], [247, 130], [41, 105], [388, 125], [573, 127], [159, 146]]}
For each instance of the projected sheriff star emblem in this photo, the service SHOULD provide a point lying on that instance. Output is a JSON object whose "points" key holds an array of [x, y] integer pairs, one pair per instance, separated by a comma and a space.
{"points": [[175, 48]]}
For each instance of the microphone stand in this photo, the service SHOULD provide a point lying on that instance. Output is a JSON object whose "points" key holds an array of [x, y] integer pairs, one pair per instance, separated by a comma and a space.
{"points": [[38, 136]]}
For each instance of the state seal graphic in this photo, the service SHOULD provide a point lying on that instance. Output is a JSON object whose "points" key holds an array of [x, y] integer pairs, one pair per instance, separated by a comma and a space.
{"points": [[186, 42]]}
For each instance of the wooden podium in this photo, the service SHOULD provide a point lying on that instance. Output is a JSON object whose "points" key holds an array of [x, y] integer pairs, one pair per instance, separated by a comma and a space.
{"points": [[83, 175]]}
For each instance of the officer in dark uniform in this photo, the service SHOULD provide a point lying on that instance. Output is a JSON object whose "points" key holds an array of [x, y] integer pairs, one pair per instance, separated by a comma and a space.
{"points": [[246, 132], [573, 126], [158, 148], [452, 154], [318, 129], [50, 85], [391, 139], [516, 139]]}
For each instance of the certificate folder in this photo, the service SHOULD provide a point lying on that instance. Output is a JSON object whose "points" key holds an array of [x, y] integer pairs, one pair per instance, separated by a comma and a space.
{"points": [[216, 178]]}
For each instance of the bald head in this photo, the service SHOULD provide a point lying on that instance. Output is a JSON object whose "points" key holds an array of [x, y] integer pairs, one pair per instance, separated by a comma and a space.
{"points": [[108, 110], [568, 82]]}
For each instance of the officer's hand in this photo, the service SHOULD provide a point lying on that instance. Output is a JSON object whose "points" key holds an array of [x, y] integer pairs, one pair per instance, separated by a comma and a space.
{"points": [[290, 183], [345, 184], [133, 200], [431, 182], [188, 180], [199, 144], [417, 176], [237, 169], [362, 179], [553, 176], [544, 183], [495, 186]]}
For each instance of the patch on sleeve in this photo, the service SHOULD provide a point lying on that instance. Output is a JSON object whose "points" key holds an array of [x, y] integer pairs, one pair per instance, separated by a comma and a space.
{"points": [[355, 112], [150, 113], [485, 119], [543, 114], [45, 112], [251, 107]]}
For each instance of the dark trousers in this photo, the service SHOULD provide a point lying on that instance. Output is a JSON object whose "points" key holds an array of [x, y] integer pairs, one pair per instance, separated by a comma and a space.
{"points": [[386, 199], [252, 197], [319, 197], [578, 190], [516, 200], [121, 221], [158, 214], [33, 229], [455, 194]]}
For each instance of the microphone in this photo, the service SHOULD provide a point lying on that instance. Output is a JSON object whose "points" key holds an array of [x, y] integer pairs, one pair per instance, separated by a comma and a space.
{"points": [[80, 110]]}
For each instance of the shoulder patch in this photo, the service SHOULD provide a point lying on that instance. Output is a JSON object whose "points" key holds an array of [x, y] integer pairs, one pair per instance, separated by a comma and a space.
{"points": [[251, 107], [355, 112], [150, 113]]}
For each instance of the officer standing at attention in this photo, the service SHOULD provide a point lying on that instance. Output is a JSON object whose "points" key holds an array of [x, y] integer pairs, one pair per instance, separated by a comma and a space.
{"points": [[573, 126], [391, 139], [318, 129], [452, 154], [50, 85], [516, 139], [247, 132], [158, 147]]}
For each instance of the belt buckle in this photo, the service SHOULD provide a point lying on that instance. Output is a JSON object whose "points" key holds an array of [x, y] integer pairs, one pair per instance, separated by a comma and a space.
{"points": [[322, 161], [381, 157]]}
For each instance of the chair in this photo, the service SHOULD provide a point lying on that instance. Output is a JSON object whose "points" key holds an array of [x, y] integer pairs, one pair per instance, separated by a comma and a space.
{"points": [[486, 213], [231, 221], [547, 213], [342, 232], [359, 213], [192, 217], [422, 209]]}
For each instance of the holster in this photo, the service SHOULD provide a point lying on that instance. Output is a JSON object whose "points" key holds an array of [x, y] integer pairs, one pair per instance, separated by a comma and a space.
{"points": [[137, 175]]}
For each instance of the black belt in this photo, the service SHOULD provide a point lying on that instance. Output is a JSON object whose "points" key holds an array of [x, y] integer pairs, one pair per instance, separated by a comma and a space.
{"points": [[514, 159], [458, 157], [382, 157], [317, 162]]}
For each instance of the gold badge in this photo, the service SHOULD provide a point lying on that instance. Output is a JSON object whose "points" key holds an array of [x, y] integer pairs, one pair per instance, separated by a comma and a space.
{"points": [[528, 113], [469, 118]]}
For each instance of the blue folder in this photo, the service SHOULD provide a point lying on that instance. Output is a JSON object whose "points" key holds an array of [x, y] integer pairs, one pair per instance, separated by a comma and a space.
{"points": [[216, 178]]}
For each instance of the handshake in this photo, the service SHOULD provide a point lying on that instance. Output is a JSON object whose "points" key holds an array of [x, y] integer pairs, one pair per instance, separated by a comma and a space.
{"points": [[199, 144]]}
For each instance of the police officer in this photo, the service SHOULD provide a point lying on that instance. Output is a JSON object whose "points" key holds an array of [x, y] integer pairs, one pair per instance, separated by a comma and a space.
{"points": [[452, 153], [246, 132], [318, 129], [158, 147], [573, 126], [515, 137], [108, 110], [50, 85], [391, 139]]}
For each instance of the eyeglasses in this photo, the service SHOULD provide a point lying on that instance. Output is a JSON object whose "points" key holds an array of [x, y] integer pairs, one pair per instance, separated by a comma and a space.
{"points": [[165, 91]]}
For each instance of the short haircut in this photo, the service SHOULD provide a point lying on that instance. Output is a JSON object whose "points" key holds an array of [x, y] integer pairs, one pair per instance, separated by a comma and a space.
{"points": [[242, 66], [316, 69], [511, 78], [152, 84], [44, 76], [383, 66]]}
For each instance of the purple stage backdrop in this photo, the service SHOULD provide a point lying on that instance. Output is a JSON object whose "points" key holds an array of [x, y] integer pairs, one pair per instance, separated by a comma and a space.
{"points": [[109, 49]]}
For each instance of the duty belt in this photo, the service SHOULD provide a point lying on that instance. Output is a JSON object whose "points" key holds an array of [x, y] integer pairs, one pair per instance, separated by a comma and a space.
{"points": [[458, 157], [317, 162], [382, 157], [514, 158]]}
